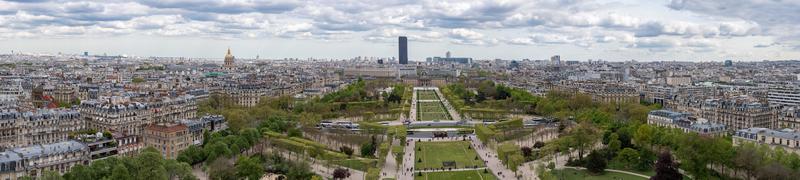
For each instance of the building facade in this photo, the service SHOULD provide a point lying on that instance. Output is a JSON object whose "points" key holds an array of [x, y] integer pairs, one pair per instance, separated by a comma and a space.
{"points": [[739, 113], [46, 126], [169, 138], [34, 160], [685, 122], [403, 49], [788, 96], [116, 116], [788, 140]]}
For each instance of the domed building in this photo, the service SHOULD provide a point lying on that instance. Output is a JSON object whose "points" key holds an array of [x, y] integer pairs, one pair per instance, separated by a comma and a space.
{"points": [[228, 60]]}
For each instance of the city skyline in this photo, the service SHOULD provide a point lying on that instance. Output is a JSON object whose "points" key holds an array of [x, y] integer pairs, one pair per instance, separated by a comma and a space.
{"points": [[682, 30]]}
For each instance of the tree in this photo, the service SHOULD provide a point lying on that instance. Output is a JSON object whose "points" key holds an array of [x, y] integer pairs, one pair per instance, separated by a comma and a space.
{"points": [[643, 135], [150, 165], [222, 168], [341, 173], [775, 171], [51, 175], [584, 136], [178, 170], [646, 160], [248, 168], [538, 144], [614, 144], [628, 156], [666, 169], [120, 172], [694, 151], [596, 162], [192, 155], [526, 151], [346, 150], [367, 149], [747, 158]]}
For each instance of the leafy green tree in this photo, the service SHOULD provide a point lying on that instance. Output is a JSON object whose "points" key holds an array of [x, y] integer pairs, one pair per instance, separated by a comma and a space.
{"points": [[627, 157], [249, 168], [614, 144], [584, 136], [178, 170], [367, 149], [120, 172], [150, 165], [643, 135], [595, 162], [51, 175], [646, 160], [215, 150], [693, 153], [346, 150], [222, 169]]}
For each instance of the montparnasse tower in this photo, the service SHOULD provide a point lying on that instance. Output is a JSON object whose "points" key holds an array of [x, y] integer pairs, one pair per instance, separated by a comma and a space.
{"points": [[229, 60]]}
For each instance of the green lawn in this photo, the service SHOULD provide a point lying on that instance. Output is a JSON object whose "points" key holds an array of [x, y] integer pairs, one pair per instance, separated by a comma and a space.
{"points": [[431, 111], [427, 95], [456, 175], [434, 153], [614, 164], [573, 174]]}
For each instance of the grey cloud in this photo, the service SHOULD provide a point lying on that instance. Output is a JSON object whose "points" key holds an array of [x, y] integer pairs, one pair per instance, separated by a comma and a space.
{"points": [[776, 17], [214, 6]]}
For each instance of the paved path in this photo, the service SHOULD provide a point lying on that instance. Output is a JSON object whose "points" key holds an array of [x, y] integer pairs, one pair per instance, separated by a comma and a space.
{"points": [[453, 113], [528, 169], [390, 166], [406, 168], [318, 168], [448, 170], [198, 172], [492, 162], [614, 170]]}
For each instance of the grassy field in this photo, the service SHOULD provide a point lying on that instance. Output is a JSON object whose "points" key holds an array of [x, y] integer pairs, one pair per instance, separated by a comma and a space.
{"points": [[570, 174], [434, 153], [456, 175], [431, 111], [427, 95]]}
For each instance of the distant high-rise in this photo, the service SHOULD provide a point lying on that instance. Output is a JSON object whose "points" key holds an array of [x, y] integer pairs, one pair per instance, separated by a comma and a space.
{"points": [[556, 60], [447, 55], [403, 50]]}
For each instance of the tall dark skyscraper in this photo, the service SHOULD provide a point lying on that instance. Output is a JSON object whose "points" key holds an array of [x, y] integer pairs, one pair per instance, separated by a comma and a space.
{"points": [[403, 50]]}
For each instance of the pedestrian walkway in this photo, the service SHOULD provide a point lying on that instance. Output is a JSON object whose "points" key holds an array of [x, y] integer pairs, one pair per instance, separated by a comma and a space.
{"points": [[449, 170], [318, 168], [407, 168], [613, 170], [492, 162], [389, 169]]}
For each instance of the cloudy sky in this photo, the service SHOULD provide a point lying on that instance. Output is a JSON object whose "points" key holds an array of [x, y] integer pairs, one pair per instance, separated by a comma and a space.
{"points": [[644, 30]]}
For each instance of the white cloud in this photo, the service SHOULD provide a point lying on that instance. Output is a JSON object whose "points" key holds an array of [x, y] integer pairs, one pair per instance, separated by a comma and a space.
{"points": [[698, 25]]}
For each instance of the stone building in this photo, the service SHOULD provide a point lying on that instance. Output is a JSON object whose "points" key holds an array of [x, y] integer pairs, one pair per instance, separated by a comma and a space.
{"points": [[169, 138], [45, 126], [740, 113], [9, 129], [116, 115], [787, 139], [34, 160]]}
